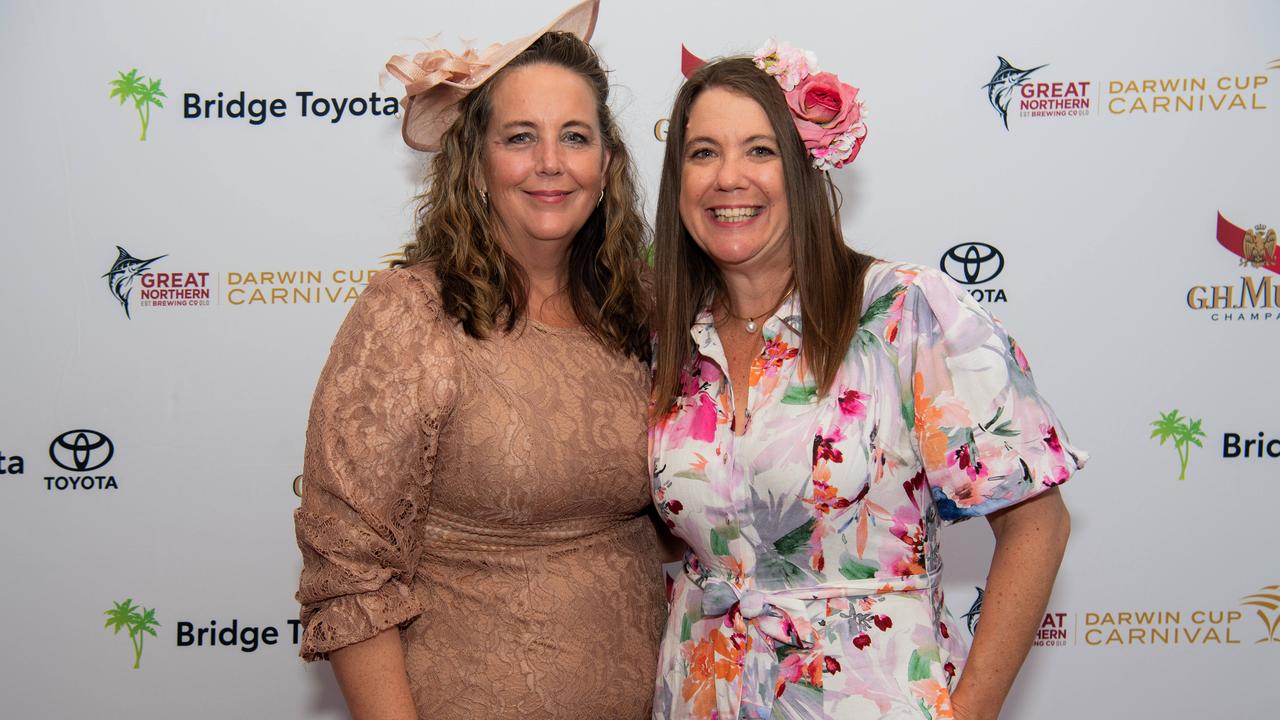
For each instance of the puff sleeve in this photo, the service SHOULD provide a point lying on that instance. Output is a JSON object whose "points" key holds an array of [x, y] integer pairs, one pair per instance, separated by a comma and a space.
{"points": [[985, 437], [382, 397]]}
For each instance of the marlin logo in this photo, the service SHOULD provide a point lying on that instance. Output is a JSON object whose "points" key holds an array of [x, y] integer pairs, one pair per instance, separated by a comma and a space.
{"points": [[120, 276], [971, 617], [1000, 89]]}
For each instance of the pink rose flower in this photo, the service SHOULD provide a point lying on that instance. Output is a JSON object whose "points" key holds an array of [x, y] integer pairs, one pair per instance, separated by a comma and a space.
{"points": [[824, 109]]}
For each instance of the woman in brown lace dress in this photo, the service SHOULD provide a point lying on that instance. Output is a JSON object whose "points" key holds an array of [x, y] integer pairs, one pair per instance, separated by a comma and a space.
{"points": [[474, 523]]}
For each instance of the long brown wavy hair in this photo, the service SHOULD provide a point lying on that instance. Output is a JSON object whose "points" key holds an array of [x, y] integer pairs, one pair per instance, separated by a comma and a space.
{"points": [[482, 285], [828, 275]]}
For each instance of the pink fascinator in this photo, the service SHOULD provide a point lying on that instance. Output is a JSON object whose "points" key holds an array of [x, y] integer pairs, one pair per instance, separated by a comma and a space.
{"points": [[828, 113], [436, 81]]}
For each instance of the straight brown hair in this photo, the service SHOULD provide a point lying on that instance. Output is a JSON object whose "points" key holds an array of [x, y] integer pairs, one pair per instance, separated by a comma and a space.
{"points": [[827, 274]]}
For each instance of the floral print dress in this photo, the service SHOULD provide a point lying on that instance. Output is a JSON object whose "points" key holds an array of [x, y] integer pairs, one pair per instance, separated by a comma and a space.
{"points": [[811, 588]]}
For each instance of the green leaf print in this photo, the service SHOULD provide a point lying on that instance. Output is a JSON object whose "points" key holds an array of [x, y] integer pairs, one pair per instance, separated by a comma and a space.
{"points": [[729, 532], [686, 628], [854, 570], [800, 395], [692, 475], [719, 545], [881, 305], [796, 540], [1003, 428], [918, 668]]}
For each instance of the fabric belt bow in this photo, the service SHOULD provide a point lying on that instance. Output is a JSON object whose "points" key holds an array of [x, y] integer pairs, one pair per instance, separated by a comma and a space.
{"points": [[782, 616], [777, 615]]}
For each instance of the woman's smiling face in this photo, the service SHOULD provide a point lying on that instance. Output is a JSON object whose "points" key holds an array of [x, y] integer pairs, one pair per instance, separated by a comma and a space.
{"points": [[733, 197], [544, 161]]}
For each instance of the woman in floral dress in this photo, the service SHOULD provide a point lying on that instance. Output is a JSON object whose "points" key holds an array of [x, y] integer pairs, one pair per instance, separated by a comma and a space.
{"points": [[818, 415]]}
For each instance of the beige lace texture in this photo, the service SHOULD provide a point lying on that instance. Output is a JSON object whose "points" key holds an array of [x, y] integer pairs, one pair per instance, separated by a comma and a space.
{"points": [[492, 499]]}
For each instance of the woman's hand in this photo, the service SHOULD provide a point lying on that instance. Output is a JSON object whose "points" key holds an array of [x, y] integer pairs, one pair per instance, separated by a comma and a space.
{"points": [[961, 712]]}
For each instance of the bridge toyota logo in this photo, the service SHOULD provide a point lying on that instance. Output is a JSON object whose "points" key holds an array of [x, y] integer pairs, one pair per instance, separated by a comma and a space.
{"points": [[81, 450], [975, 263]]}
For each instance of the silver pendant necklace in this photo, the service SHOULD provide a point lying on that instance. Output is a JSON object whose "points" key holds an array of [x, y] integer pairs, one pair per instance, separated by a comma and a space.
{"points": [[751, 326]]}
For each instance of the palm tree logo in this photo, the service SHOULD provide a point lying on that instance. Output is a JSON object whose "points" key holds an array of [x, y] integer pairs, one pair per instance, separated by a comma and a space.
{"points": [[139, 624], [1184, 432], [144, 92], [1268, 598]]}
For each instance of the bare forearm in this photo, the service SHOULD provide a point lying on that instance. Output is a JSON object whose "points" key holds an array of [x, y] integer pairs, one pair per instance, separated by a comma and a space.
{"points": [[1030, 540], [372, 676]]}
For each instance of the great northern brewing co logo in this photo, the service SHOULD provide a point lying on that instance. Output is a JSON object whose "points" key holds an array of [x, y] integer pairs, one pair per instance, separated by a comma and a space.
{"points": [[975, 612], [143, 92], [122, 274], [1029, 94], [131, 278], [1253, 297], [1053, 631], [1039, 99], [157, 289]]}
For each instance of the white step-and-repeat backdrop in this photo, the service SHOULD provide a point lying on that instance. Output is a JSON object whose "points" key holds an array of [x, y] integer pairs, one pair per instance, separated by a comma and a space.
{"points": [[193, 194]]}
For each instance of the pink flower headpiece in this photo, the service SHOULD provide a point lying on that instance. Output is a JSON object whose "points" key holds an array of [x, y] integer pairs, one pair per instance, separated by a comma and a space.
{"points": [[827, 112]]}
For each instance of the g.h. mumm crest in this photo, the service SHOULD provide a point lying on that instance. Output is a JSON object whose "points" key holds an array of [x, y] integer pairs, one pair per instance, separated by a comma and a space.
{"points": [[122, 273]]}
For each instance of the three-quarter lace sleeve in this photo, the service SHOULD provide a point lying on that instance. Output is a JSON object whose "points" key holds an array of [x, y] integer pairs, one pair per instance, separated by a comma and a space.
{"points": [[371, 443]]}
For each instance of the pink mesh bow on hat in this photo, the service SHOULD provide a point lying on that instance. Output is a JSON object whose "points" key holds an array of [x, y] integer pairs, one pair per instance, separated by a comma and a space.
{"points": [[436, 81]]}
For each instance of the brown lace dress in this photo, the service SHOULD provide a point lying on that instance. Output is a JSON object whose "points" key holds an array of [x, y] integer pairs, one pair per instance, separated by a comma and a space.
{"points": [[491, 498]]}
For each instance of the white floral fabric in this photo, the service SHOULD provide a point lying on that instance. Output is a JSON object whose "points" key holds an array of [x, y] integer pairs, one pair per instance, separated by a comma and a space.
{"points": [[811, 589]]}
